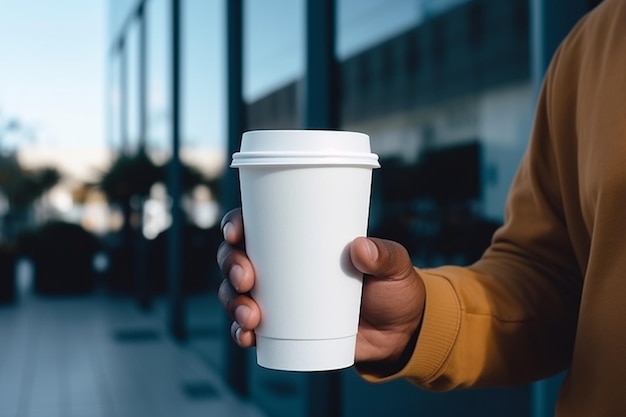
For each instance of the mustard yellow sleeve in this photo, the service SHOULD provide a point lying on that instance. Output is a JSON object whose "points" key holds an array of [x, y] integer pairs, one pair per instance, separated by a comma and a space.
{"points": [[469, 340], [511, 317], [439, 330]]}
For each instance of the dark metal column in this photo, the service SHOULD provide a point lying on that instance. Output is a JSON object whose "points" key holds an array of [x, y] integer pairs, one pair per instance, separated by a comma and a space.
{"points": [[320, 111], [320, 105], [174, 240], [236, 358]]}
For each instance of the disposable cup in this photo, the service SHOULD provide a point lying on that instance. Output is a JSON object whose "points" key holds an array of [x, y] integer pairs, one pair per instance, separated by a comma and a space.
{"points": [[305, 197]]}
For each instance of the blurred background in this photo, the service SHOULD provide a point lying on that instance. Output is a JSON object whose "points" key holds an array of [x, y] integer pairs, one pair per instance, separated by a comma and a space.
{"points": [[117, 122]]}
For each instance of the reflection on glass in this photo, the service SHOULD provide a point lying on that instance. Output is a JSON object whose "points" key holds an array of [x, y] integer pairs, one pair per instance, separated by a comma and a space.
{"points": [[363, 23], [203, 130], [158, 117], [273, 45], [437, 84], [273, 65], [114, 102], [132, 88]]}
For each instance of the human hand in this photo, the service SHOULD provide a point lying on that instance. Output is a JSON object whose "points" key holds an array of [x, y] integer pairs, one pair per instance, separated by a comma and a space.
{"points": [[392, 305], [239, 273], [392, 301]]}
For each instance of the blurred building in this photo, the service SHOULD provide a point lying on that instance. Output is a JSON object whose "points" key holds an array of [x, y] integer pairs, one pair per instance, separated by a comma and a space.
{"points": [[447, 102], [444, 88]]}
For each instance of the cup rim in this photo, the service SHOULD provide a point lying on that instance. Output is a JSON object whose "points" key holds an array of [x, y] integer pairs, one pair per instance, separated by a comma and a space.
{"points": [[283, 158]]}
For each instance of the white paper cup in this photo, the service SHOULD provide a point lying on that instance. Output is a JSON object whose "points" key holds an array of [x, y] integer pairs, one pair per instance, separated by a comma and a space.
{"points": [[305, 197]]}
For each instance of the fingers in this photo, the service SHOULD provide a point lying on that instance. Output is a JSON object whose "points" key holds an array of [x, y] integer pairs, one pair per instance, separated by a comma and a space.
{"points": [[245, 312], [231, 258], [239, 273], [244, 338], [232, 227], [236, 266], [381, 258], [239, 306]]}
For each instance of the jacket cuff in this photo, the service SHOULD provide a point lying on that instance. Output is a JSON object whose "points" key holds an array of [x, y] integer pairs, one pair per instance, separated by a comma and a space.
{"points": [[439, 330]]}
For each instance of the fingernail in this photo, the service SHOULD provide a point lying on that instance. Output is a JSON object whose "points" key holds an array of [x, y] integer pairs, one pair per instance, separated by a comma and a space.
{"points": [[228, 231], [242, 313], [235, 332], [236, 276], [238, 335], [372, 250]]}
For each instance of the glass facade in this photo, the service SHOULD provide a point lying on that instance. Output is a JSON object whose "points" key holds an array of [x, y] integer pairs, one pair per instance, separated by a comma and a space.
{"points": [[363, 24], [435, 83], [158, 73], [273, 45], [113, 97], [203, 79], [142, 119], [132, 98]]}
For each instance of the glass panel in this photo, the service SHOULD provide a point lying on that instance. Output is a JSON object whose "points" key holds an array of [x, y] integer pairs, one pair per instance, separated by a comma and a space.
{"points": [[203, 140], [444, 91], [204, 78], [113, 103], [434, 7], [274, 63], [158, 118], [118, 12], [363, 23], [273, 45], [132, 88]]}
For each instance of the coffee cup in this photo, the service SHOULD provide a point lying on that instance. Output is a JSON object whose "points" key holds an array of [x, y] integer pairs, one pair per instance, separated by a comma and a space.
{"points": [[305, 197]]}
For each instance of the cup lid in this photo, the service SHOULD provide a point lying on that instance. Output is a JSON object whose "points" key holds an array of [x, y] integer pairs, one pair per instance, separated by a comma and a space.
{"points": [[304, 147]]}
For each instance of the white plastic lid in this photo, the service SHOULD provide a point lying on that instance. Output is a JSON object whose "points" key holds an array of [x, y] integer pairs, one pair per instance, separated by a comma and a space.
{"points": [[304, 147]]}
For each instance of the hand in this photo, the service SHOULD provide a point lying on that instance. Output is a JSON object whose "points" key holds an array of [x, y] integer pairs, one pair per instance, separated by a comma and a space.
{"points": [[392, 302], [239, 274]]}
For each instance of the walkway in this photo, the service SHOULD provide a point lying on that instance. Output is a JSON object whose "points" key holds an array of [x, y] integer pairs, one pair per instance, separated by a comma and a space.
{"points": [[98, 356]]}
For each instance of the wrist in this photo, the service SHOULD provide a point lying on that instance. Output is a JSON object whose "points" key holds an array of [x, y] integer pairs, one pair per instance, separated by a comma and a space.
{"points": [[393, 364]]}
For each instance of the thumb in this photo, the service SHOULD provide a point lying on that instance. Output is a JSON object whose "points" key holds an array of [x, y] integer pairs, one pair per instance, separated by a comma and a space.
{"points": [[382, 259], [392, 302]]}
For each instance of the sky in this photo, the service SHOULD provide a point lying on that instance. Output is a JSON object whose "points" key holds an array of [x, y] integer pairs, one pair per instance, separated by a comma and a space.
{"points": [[54, 66], [52, 63]]}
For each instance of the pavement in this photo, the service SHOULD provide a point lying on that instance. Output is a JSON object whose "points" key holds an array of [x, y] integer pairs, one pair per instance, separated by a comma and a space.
{"points": [[101, 356]]}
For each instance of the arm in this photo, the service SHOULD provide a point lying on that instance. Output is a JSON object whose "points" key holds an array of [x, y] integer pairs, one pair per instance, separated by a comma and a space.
{"points": [[511, 317]]}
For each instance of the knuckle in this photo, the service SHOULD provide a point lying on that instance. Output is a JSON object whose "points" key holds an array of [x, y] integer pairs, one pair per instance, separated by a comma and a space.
{"points": [[227, 257], [232, 215], [226, 293], [223, 252], [226, 218], [395, 258]]}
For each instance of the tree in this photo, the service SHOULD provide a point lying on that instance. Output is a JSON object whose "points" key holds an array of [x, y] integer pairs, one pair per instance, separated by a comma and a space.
{"points": [[21, 188]]}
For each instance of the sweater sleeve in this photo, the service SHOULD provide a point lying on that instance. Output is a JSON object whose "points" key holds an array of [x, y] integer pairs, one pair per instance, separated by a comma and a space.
{"points": [[511, 317]]}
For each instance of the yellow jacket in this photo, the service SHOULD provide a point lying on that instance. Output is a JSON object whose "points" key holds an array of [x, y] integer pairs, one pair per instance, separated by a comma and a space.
{"points": [[550, 292]]}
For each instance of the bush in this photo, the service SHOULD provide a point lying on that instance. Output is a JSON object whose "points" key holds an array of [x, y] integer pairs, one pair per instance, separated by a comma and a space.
{"points": [[62, 254], [7, 274]]}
